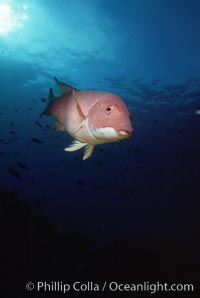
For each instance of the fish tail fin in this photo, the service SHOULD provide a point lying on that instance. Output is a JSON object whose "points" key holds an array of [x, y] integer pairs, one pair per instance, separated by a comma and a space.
{"points": [[51, 95], [56, 80], [50, 98]]}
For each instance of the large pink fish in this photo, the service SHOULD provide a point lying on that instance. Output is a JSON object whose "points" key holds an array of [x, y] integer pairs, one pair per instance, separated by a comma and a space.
{"points": [[90, 117]]}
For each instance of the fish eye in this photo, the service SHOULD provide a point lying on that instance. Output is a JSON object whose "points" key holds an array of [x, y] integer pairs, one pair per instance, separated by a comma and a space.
{"points": [[108, 109]]}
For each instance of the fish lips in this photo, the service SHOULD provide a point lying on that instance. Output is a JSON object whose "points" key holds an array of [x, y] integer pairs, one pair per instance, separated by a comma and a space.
{"points": [[125, 129], [127, 133]]}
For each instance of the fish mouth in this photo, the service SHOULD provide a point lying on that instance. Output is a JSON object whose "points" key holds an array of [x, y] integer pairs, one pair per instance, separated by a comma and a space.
{"points": [[125, 132]]}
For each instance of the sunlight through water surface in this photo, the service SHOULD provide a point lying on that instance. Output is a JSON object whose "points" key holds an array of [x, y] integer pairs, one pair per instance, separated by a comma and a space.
{"points": [[11, 17]]}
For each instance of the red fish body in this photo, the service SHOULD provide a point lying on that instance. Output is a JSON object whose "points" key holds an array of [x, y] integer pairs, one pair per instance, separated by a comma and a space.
{"points": [[90, 117]]}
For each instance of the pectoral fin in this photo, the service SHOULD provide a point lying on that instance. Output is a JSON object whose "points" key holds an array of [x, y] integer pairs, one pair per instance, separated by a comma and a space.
{"points": [[76, 145]]}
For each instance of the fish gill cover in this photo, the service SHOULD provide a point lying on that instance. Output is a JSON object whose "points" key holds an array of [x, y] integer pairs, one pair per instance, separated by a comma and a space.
{"points": [[145, 187]]}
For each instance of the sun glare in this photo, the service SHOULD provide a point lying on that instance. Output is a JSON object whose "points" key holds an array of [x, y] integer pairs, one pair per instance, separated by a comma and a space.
{"points": [[6, 21], [9, 20]]}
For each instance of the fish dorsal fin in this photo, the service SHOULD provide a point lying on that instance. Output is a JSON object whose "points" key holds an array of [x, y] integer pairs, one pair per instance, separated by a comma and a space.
{"points": [[63, 88], [59, 126], [88, 151]]}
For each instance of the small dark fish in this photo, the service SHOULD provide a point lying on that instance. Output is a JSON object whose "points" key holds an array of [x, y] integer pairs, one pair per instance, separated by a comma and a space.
{"points": [[14, 173], [1, 114], [180, 131], [100, 163], [33, 182], [35, 140], [80, 182], [43, 100], [139, 168], [197, 111], [12, 132], [2, 140], [12, 124], [55, 146], [97, 186], [127, 194], [48, 126], [38, 123], [1, 153], [155, 121], [77, 158], [122, 175], [8, 141], [50, 174], [136, 151], [39, 202], [22, 166], [148, 190], [29, 109]]}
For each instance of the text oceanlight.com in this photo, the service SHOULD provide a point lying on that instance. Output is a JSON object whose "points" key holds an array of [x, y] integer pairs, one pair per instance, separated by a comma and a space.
{"points": [[112, 286]]}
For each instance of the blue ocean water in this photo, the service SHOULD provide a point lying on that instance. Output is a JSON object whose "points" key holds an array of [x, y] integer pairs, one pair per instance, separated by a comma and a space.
{"points": [[148, 53]]}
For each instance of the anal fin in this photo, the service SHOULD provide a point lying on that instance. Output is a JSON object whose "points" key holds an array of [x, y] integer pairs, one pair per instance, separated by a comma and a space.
{"points": [[88, 151]]}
